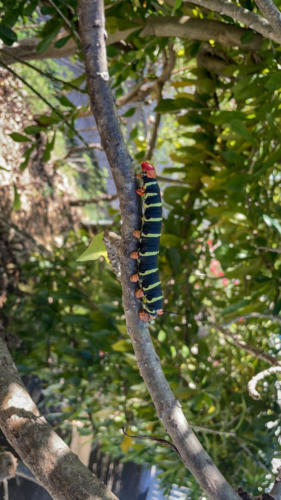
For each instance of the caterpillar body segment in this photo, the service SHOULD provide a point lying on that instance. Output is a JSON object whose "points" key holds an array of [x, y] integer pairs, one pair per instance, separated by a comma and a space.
{"points": [[149, 240]]}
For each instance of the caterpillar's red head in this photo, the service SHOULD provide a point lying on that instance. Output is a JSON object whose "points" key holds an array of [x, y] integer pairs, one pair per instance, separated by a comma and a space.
{"points": [[148, 169]]}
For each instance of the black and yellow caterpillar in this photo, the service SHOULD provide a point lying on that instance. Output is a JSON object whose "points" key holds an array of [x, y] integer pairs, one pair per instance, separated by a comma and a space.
{"points": [[149, 237]]}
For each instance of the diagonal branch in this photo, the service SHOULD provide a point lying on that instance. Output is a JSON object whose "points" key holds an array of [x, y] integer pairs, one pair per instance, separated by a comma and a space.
{"points": [[272, 14], [40, 448], [97, 199], [243, 16], [168, 67], [271, 317], [164, 26], [200, 29], [255, 351], [91, 23]]}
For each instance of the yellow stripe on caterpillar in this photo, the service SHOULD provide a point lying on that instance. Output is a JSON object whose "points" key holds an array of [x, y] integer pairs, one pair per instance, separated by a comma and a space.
{"points": [[146, 308], [147, 195], [149, 271], [153, 219], [152, 205], [153, 285], [153, 300], [150, 184], [148, 254], [150, 235]]}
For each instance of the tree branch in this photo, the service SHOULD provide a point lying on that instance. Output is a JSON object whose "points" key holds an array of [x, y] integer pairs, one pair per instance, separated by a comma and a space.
{"points": [[272, 317], [255, 351], [91, 23], [200, 29], [168, 67], [40, 448], [97, 199], [268, 249], [244, 16], [272, 14], [193, 29]]}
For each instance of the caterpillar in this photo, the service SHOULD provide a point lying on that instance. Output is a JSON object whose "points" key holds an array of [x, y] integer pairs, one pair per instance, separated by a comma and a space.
{"points": [[149, 239]]}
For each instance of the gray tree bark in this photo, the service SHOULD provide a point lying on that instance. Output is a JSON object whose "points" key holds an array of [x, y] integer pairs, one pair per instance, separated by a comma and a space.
{"points": [[40, 448], [92, 32]]}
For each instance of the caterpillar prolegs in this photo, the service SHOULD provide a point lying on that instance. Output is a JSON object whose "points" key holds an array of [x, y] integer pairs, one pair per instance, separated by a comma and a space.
{"points": [[149, 239]]}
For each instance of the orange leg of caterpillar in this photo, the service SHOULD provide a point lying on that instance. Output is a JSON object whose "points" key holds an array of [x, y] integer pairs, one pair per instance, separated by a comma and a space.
{"points": [[134, 255], [144, 316], [140, 191], [139, 293], [134, 278], [137, 234]]}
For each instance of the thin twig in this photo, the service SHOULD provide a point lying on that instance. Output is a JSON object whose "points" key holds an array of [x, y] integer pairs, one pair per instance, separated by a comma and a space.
{"points": [[152, 438], [67, 22], [239, 342], [252, 384], [275, 250], [43, 73], [58, 113], [97, 199], [92, 145], [272, 317], [161, 178], [169, 63], [27, 236], [199, 428], [242, 15]]}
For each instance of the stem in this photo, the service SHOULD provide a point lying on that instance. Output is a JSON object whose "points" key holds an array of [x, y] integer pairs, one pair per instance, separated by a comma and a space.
{"points": [[195, 458]]}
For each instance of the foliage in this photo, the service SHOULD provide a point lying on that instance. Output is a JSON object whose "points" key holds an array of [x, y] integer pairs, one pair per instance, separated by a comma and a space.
{"points": [[219, 256]]}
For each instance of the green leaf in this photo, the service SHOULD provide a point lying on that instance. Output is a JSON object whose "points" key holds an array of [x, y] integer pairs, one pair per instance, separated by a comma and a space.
{"points": [[122, 345], [65, 101], [30, 7], [62, 41], [49, 148], [95, 250], [76, 82], [271, 222], [240, 128], [48, 120], [26, 155], [235, 307], [170, 105], [274, 82], [16, 202], [247, 36], [7, 35], [130, 112], [222, 117], [171, 240], [233, 157], [172, 194], [32, 130], [19, 137], [47, 40], [177, 4], [133, 133]]}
